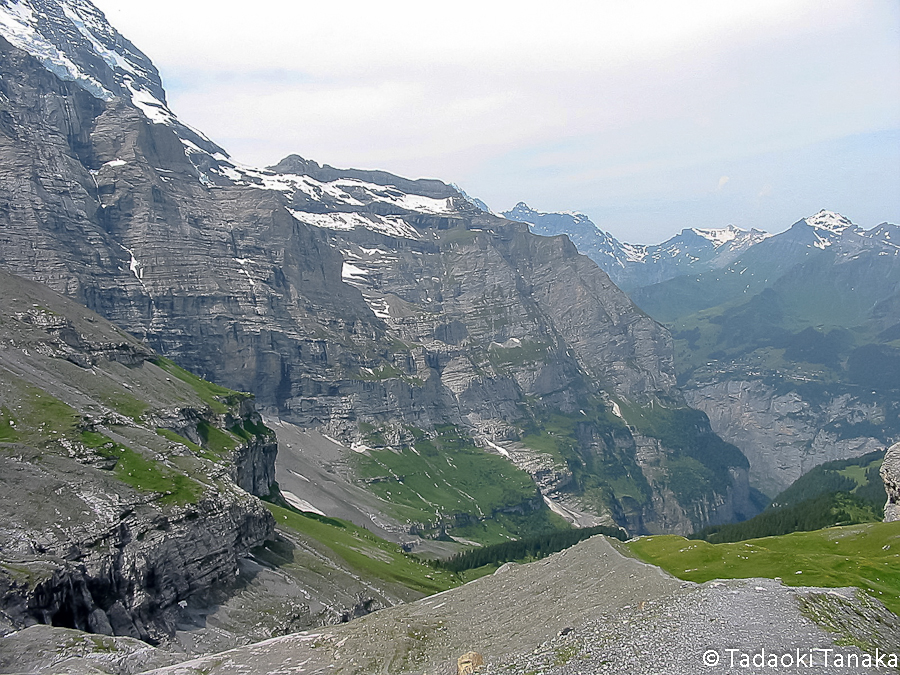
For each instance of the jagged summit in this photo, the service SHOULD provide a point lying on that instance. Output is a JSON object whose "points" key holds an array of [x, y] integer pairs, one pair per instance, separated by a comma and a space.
{"points": [[731, 233], [522, 212], [634, 265], [829, 221], [474, 201], [73, 40]]}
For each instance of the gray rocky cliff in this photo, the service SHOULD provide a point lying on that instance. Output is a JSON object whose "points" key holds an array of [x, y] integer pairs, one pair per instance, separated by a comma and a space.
{"points": [[111, 515], [783, 433], [340, 298], [890, 474], [112, 562]]}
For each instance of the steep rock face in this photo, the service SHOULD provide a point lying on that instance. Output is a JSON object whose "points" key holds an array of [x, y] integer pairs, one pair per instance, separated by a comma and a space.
{"points": [[114, 214], [783, 434], [890, 474], [340, 298], [506, 323], [111, 515], [118, 562], [500, 313], [250, 456], [666, 512]]}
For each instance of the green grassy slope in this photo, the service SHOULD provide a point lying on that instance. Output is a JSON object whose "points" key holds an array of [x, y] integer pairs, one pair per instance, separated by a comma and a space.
{"points": [[444, 481], [364, 552], [866, 556], [858, 475], [842, 492]]}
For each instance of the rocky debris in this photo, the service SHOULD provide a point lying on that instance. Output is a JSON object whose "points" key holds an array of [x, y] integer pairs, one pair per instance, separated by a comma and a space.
{"points": [[585, 610], [430, 635], [290, 584], [47, 650], [714, 627], [890, 474]]}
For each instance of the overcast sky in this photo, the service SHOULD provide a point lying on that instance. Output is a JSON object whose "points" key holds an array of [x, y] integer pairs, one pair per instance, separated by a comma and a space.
{"points": [[647, 115]]}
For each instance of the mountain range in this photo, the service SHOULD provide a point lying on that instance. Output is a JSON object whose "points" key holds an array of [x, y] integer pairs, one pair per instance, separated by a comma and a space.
{"points": [[789, 342], [374, 309], [235, 399], [632, 266]]}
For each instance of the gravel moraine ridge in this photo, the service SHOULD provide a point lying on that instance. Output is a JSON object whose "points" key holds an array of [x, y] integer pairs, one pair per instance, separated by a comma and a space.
{"points": [[589, 609]]}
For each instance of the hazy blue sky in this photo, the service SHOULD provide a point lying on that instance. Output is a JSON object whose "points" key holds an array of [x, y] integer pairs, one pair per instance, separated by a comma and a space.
{"points": [[649, 116]]}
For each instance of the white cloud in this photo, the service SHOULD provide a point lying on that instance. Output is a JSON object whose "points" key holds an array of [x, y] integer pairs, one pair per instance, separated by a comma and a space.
{"points": [[364, 37], [568, 96], [722, 181]]}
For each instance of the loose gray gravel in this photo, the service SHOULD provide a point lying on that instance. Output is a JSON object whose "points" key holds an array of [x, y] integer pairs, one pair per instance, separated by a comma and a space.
{"points": [[586, 610], [693, 631]]}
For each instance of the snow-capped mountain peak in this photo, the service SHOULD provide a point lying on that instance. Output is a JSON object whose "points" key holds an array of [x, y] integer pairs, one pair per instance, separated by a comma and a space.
{"points": [[829, 221], [73, 40], [732, 235], [827, 227], [719, 236]]}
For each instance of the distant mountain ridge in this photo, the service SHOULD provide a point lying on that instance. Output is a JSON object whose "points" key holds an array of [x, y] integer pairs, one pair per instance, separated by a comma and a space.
{"points": [[789, 342], [727, 263], [631, 266], [824, 236]]}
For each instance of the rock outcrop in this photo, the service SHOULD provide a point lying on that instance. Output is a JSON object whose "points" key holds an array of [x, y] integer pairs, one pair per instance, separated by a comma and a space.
{"points": [[119, 562], [890, 474], [121, 474], [783, 433]]}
